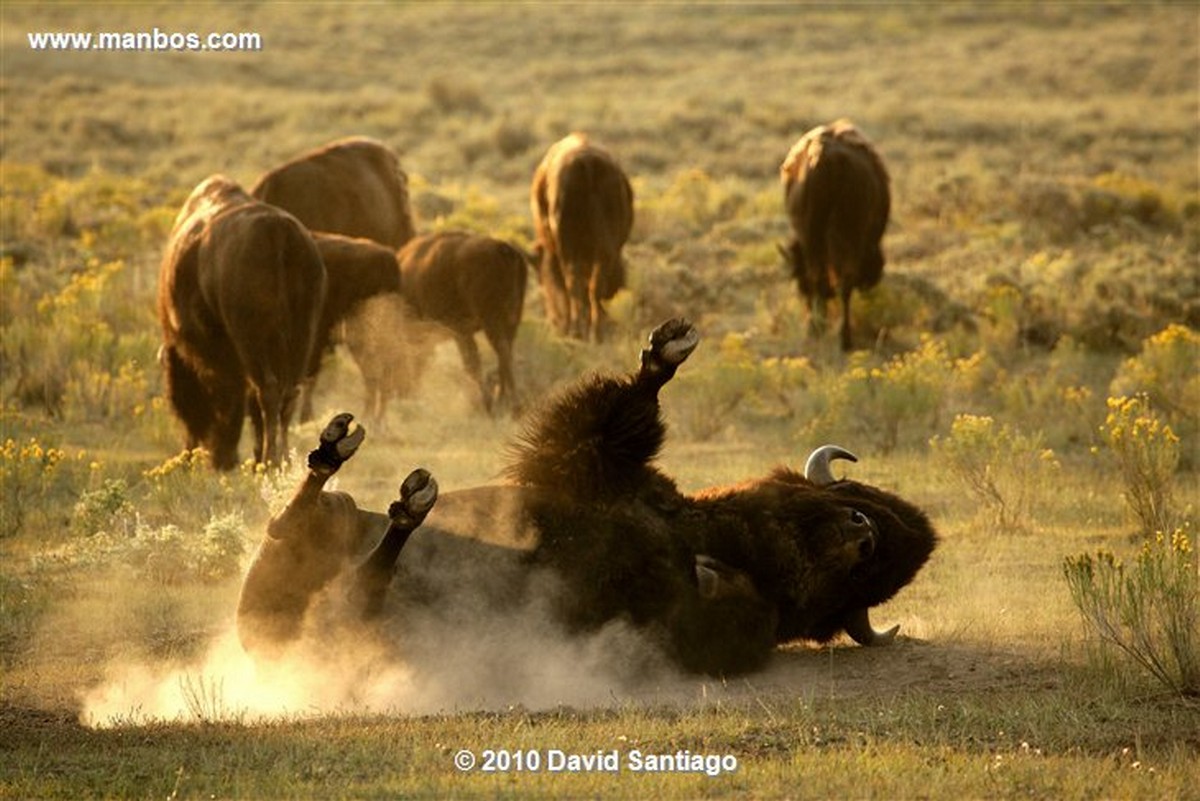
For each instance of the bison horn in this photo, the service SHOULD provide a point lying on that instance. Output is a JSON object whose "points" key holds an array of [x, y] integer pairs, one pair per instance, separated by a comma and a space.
{"points": [[858, 626], [817, 470]]}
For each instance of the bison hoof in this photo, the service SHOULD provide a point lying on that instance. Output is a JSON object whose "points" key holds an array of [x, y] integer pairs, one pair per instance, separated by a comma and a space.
{"points": [[670, 345], [418, 493], [338, 443]]}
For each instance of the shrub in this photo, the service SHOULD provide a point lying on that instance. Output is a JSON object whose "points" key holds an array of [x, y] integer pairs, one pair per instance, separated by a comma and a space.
{"points": [[165, 555], [899, 403], [76, 351], [1165, 371], [1146, 452], [185, 490], [1148, 611], [710, 395], [27, 474], [105, 509], [1117, 198], [452, 96], [1000, 467]]}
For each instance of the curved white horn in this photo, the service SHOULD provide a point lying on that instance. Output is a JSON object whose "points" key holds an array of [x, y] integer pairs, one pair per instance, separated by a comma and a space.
{"points": [[817, 470], [858, 626]]}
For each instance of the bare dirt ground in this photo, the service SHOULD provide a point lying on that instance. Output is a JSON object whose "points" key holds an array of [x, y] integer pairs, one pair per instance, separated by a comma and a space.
{"points": [[844, 670]]}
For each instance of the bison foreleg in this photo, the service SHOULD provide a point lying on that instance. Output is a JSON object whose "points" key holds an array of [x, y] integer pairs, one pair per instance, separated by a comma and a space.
{"points": [[418, 493], [338, 443], [670, 345]]}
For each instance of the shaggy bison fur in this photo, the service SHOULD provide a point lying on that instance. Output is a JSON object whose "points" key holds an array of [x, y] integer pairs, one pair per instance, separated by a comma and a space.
{"points": [[593, 529]]}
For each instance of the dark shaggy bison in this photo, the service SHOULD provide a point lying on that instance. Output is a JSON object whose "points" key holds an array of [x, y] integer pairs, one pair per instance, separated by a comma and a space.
{"points": [[352, 186], [357, 269], [240, 294], [469, 283], [591, 528], [835, 188], [582, 207]]}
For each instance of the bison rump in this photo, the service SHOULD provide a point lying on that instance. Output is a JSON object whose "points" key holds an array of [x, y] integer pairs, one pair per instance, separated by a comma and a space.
{"points": [[352, 186], [838, 202], [241, 287], [582, 205]]}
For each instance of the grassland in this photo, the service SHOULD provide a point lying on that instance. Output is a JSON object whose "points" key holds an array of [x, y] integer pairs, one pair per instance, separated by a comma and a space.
{"points": [[1046, 232]]}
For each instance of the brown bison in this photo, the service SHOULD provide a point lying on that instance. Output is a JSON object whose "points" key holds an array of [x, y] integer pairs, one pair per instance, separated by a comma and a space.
{"points": [[358, 269], [835, 188], [582, 207], [469, 283], [591, 530], [240, 294], [352, 186]]}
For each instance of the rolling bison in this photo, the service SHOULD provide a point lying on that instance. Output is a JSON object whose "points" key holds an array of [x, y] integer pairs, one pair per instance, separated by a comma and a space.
{"points": [[582, 207], [352, 186], [358, 269], [469, 283], [592, 531], [836, 191], [240, 293]]}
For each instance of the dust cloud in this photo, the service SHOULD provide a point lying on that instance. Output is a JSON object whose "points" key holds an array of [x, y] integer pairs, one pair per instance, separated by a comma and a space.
{"points": [[523, 661], [459, 654]]}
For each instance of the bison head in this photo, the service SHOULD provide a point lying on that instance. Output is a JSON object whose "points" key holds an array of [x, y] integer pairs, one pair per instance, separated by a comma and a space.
{"points": [[822, 550], [893, 544]]}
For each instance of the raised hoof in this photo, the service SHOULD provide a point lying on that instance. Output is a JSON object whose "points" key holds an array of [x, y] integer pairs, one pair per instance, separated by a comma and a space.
{"points": [[338, 443], [418, 493], [670, 345]]}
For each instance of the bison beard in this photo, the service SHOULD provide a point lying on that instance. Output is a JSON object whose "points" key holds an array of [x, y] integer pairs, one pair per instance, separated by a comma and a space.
{"points": [[590, 529]]}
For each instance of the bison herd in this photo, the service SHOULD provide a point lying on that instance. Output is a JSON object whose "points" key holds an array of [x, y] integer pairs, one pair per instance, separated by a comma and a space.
{"points": [[248, 313], [256, 286]]}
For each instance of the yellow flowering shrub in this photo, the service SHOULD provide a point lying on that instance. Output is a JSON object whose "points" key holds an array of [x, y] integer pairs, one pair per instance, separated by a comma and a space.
{"points": [[27, 473], [1146, 453], [1148, 611], [999, 466], [1167, 371]]}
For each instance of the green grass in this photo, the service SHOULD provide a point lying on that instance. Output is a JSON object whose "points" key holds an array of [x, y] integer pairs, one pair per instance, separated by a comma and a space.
{"points": [[1046, 229]]}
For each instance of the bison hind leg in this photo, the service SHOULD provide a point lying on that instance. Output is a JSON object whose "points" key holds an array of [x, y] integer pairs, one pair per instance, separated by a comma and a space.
{"points": [[418, 493]]}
